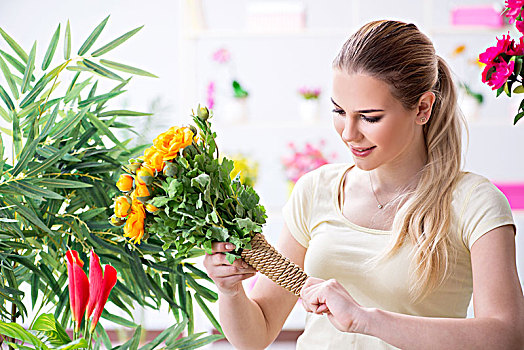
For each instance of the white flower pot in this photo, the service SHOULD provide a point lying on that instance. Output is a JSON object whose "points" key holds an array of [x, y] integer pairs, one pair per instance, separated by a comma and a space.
{"points": [[309, 110]]}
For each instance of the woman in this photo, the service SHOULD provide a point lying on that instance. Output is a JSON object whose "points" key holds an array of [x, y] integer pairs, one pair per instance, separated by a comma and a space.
{"points": [[397, 243]]}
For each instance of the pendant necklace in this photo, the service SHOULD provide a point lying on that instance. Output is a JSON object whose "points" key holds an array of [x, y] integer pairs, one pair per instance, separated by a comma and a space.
{"points": [[380, 205]]}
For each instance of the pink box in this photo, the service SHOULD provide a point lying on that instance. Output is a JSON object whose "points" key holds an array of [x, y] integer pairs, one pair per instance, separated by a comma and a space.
{"points": [[514, 192], [486, 16]]}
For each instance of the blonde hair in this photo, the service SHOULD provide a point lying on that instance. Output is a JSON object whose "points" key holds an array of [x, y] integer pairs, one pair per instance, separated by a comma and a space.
{"points": [[400, 55]]}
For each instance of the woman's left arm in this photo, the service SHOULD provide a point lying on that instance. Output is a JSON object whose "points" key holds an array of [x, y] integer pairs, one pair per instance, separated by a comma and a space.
{"points": [[497, 296]]}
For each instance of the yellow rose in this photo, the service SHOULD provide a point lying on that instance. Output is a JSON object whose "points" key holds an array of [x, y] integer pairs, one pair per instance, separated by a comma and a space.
{"points": [[151, 208], [171, 141], [125, 183], [142, 191], [134, 228], [122, 206], [144, 176], [154, 159]]}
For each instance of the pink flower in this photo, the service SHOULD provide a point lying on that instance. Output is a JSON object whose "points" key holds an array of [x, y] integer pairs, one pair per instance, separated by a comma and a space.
{"points": [[211, 95], [520, 26], [499, 76], [221, 55], [514, 9], [492, 53]]}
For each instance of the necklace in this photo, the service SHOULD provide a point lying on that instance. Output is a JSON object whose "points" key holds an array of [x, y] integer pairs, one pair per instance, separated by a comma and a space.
{"points": [[380, 205]]}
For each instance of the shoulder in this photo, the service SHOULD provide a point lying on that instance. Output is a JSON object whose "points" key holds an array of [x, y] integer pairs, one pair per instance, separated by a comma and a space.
{"points": [[473, 187]]}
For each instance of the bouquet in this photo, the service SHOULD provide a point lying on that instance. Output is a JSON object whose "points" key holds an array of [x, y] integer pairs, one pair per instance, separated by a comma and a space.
{"points": [[504, 61], [301, 162], [181, 191]]}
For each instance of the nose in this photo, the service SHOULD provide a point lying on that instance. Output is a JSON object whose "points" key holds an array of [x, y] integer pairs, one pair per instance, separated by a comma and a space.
{"points": [[351, 131]]}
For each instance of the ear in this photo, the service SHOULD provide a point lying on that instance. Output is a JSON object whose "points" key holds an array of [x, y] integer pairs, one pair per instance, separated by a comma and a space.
{"points": [[424, 107]]}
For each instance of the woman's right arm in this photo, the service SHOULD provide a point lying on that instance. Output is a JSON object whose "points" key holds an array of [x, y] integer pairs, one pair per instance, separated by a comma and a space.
{"points": [[252, 322]]}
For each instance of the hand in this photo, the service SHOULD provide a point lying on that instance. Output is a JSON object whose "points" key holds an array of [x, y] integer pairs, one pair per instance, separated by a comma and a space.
{"points": [[331, 298], [227, 277]]}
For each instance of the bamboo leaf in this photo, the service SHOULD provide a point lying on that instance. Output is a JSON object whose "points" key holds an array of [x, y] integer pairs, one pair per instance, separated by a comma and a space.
{"points": [[118, 320], [123, 113], [61, 183], [19, 51], [92, 37], [78, 69], [75, 91], [35, 283], [68, 124], [174, 331], [29, 190], [208, 313], [1, 156], [37, 89], [5, 115], [101, 70], [17, 134], [25, 156], [51, 49], [99, 98], [126, 68], [80, 343], [67, 42], [29, 69], [136, 338], [102, 127], [110, 46], [27, 214], [50, 122], [103, 334], [9, 78], [19, 66], [51, 160], [7, 100]]}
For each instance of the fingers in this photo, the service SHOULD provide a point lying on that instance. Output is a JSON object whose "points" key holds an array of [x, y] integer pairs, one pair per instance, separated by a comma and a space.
{"points": [[222, 247]]}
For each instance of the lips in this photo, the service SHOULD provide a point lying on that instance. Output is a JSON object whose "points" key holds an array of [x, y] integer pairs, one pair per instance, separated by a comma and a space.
{"points": [[362, 151]]}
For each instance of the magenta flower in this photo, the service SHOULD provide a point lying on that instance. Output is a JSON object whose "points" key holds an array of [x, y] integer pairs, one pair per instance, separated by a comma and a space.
{"points": [[303, 161], [514, 9], [520, 26], [221, 55], [517, 49], [499, 76], [492, 53]]}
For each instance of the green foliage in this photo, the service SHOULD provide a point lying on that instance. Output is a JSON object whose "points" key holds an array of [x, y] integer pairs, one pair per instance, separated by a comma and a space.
{"points": [[56, 189]]}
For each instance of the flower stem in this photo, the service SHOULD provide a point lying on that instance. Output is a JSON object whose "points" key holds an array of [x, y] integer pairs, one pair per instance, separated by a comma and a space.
{"points": [[90, 339]]}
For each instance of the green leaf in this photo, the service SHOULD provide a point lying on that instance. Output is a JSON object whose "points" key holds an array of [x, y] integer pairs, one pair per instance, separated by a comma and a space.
{"points": [[103, 334], [110, 46], [61, 183], [47, 324], [136, 339], [75, 91], [27, 189], [101, 70], [5, 115], [19, 66], [80, 343], [19, 51], [102, 127], [50, 122], [519, 89], [123, 113], [518, 66], [69, 123], [208, 313], [92, 37], [99, 98], [25, 156], [7, 99], [518, 117], [17, 134], [51, 49], [51, 160], [9, 79], [172, 332], [16, 331], [67, 42], [118, 320], [125, 68], [29, 69]]}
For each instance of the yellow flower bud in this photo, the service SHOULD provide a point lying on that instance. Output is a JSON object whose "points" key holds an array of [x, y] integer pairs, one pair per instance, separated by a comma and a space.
{"points": [[122, 206], [151, 208], [125, 183]]}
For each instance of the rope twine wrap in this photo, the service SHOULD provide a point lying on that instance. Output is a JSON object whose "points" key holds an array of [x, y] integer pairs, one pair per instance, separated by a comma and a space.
{"points": [[264, 258]]}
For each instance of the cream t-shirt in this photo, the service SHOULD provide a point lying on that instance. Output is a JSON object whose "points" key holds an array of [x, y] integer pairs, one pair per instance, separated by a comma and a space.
{"points": [[339, 249]]}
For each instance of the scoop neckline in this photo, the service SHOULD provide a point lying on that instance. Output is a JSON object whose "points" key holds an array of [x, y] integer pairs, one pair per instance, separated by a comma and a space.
{"points": [[338, 207]]}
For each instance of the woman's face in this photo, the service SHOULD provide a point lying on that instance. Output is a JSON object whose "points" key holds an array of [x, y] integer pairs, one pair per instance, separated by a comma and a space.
{"points": [[372, 123]]}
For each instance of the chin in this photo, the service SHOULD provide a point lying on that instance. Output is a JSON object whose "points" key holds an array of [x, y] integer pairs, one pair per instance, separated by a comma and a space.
{"points": [[363, 165]]}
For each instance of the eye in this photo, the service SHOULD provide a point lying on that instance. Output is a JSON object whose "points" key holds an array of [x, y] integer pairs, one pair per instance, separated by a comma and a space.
{"points": [[339, 111], [370, 119]]}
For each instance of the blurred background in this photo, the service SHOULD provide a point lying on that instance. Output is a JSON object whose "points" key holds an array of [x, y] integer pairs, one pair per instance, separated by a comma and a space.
{"points": [[265, 69]]}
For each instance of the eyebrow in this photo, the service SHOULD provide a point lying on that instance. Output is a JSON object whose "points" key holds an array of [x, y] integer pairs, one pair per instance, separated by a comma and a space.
{"points": [[359, 111]]}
